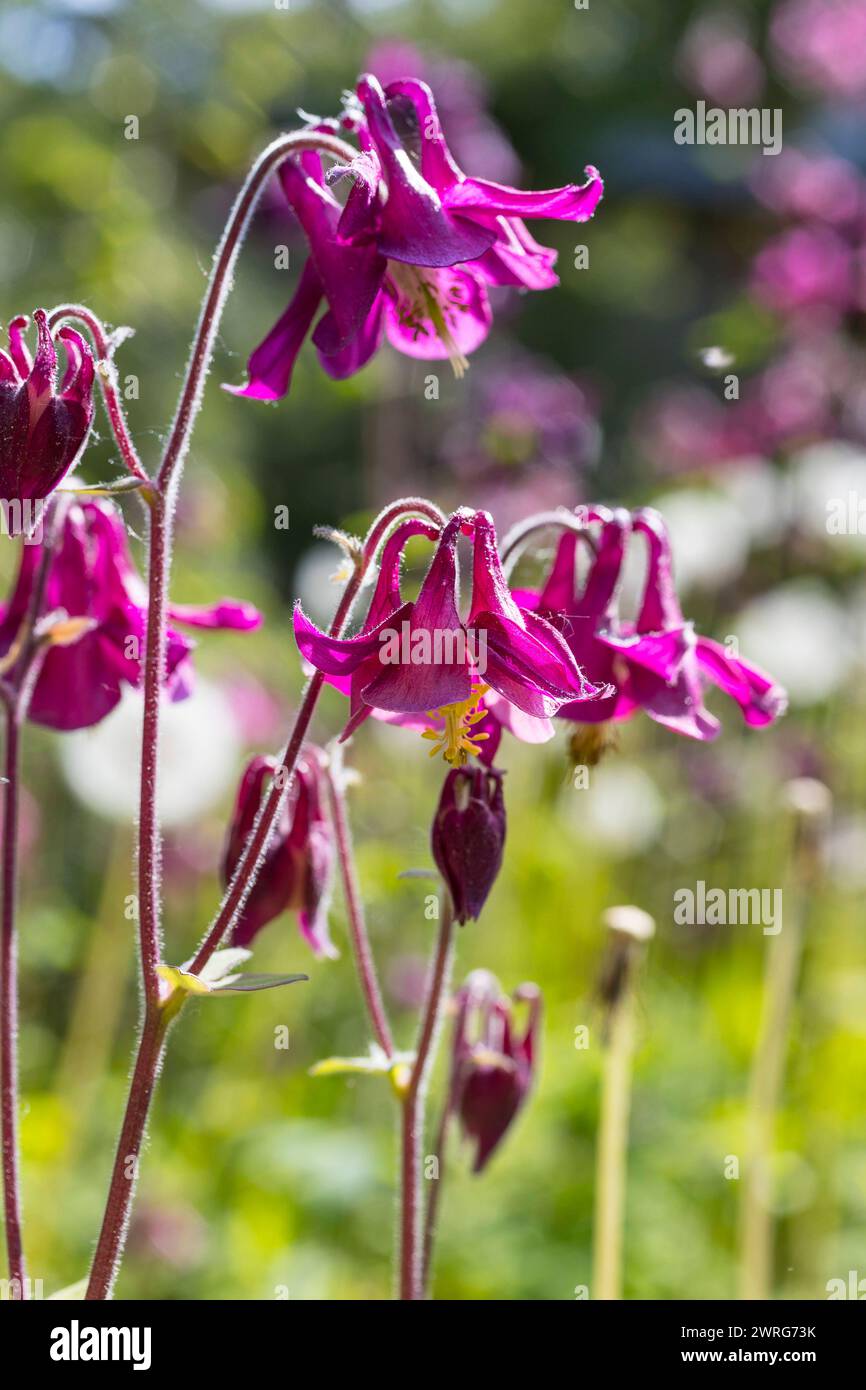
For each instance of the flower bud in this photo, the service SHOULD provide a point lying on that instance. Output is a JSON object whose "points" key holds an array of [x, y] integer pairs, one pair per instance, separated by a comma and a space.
{"points": [[297, 871], [493, 1067], [468, 836], [42, 427]]}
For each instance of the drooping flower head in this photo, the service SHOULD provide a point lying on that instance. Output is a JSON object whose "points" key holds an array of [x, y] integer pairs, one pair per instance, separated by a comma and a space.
{"points": [[493, 1065], [43, 426], [297, 871], [655, 662], [91, 576], [419, 663], [410, 254]]}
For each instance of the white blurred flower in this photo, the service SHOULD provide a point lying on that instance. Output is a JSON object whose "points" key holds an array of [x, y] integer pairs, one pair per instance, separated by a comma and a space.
{"points": [[845, 853], [801, 633], [621, 810], [199, 753], [828, 484], [315, 585], [709, 541], [760, 494]]}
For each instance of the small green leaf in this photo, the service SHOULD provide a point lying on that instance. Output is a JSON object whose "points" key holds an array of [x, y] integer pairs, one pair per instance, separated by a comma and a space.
{"points": [[114, 485], [246, 984]]}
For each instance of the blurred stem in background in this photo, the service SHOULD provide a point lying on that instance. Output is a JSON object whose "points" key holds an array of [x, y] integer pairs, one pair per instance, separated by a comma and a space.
{"points": [[100, 991], [410, 1084], [629, 928], [809, 803]]}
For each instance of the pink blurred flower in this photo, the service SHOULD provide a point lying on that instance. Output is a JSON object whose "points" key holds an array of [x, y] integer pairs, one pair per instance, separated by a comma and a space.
{"points": [[717, 60], [821, 45], [819, 187], [807, 268]]}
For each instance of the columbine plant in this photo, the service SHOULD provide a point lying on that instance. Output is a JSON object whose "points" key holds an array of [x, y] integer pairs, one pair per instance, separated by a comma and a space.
{"points": [[406, 252]]}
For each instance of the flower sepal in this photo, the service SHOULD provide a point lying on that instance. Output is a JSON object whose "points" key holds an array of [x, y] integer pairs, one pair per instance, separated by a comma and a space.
{"points": [[397, 1068]]}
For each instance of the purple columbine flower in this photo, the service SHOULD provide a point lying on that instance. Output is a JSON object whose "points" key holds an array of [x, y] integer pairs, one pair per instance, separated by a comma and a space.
{"points": [[412, 252], [656, 663], [298, 868], [43, 427], [493, 1066], [91, 576], [468, 837], [420, 658]]}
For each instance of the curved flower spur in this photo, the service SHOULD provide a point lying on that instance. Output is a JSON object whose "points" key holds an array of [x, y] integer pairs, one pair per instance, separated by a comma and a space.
{"points": [[655, 663], [43, 426], [411, 254], [419, 662]]}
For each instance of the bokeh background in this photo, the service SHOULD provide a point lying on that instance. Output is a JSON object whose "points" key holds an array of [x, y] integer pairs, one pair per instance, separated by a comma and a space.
{"points": [[259, 1180]]}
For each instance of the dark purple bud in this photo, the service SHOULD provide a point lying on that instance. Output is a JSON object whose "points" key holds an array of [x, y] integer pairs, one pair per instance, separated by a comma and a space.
{"points": [[43, 426], [493, 1067], [297, 871], [468, 836]]}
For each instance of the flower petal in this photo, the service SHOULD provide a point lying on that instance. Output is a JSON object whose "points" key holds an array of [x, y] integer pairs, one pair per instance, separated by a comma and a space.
{"points": [[230, 613], [437, 314], [414, 227], [759, 697], [271, 364], [337, 656], [574, 203]]}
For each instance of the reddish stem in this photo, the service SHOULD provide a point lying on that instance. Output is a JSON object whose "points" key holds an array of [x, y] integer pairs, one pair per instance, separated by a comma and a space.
{"points": [[149, 839], [109, 1247], [220, 283], [9, 1008], [364, 961], [448, 1110], [414, 1106], [16, 701]]}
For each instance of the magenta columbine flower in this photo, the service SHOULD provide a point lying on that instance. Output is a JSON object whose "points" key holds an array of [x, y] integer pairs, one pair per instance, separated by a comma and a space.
{"points": [[468, 836], [297, 871], [91, 576], [43, 426], [656, 663], [493, 1065], [411, 253], [420, 658]]}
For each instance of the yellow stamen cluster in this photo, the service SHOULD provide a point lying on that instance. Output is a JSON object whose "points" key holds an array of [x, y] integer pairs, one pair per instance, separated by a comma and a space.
{"points": [[455, 741]]}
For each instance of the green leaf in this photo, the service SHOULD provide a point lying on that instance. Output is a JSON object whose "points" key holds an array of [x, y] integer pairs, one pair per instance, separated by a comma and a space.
{"points": [[72, 1292], [114, 485], [247, 984]]}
